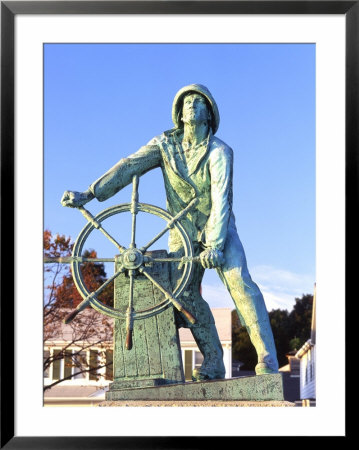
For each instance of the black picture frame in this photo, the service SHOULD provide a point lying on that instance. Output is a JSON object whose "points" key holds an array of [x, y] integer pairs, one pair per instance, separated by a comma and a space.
{"points": [[9, 10]]}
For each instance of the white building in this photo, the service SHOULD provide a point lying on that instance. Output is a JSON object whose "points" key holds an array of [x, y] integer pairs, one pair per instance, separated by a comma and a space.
{"points": [[306, 354], [88, 388]]}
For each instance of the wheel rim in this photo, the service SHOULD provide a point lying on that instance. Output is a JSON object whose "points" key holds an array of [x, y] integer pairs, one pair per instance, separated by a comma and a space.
{"points": [[113, 312]]}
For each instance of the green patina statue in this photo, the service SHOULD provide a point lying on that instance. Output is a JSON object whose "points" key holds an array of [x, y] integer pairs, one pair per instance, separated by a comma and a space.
{"points": [[198, 165]]}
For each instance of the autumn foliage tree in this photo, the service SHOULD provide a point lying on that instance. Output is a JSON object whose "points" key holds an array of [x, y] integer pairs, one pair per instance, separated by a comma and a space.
{"points": [[300, 320], [90, 328], [93, 275]]}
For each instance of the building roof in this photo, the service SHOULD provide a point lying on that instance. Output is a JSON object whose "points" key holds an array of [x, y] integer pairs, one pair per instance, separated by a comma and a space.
{"points": [[223, 320], [304, 349], [62, 390], [285, 368], [89, 326], [101, 327]]}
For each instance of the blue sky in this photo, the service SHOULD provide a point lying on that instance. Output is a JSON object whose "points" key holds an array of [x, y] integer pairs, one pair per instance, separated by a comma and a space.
{"points": [[104, 101]]}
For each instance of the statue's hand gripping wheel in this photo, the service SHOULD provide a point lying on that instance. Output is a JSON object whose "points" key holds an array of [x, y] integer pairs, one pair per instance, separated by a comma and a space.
{"points": [[131, 260]]}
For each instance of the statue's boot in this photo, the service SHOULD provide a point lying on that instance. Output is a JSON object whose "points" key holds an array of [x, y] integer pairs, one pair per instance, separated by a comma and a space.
{"points": [[254, 316], [208, 342], [261, 336]]}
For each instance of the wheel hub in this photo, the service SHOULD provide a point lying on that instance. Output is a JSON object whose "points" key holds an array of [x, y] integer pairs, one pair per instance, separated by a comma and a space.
{"points": [[132, 258]]}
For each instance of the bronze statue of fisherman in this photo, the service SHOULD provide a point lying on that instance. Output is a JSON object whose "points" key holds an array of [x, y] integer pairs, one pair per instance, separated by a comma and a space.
{"points": [[197, 164]]}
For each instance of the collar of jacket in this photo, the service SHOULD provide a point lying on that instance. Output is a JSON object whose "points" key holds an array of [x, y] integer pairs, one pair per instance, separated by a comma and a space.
{"points": [[173, 146], [182, 186]]}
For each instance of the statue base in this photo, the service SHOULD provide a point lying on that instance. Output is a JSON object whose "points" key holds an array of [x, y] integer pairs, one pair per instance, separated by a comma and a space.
{"points": [[254, 388], [199, 403]]}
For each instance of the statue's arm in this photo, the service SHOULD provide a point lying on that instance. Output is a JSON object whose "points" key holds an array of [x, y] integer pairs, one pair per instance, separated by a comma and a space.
{"points": [[119, 176], [221, 170]]}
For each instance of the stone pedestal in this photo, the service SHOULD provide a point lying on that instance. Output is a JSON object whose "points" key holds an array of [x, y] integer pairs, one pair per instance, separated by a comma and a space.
{"points": [[199, 403], [256, 388], [155, 357]]}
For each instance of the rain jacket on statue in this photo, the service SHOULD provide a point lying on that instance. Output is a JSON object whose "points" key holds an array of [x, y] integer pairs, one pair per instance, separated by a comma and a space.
{"points": [[206, 175]]}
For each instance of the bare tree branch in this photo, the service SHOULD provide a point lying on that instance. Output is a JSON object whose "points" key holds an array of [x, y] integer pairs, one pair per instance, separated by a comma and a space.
{"points": [[89, 331], [90, 370]]}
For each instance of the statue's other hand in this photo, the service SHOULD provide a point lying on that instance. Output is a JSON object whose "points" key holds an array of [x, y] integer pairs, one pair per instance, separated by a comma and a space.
{"points": [[74, 199], [211, 258]]}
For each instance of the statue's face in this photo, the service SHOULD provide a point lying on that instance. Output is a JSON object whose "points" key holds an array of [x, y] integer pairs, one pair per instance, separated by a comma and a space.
{"points": [[194, 109]]}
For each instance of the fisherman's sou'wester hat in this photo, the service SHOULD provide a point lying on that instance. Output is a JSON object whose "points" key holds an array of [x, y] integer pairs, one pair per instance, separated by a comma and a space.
{"points": [[178, 102]]}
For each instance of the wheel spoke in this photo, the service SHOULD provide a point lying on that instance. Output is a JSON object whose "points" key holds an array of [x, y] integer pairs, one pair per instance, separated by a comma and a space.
{"points": [[80, 259], [181, 259], [107, 282], [173, 300], [152, 241], [59, 259], [134, 209], [129, 313], [170, 224], [81, 306], [99, 226]]}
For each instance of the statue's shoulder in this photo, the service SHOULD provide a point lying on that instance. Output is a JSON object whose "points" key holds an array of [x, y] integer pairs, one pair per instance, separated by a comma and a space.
{"points": [[163, 137], [219, 148]]}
